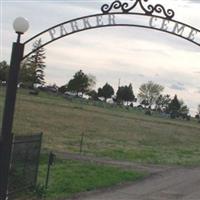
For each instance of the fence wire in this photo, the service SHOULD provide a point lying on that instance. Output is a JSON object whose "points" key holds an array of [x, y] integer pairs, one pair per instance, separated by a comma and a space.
{"points": [[24, 163]]}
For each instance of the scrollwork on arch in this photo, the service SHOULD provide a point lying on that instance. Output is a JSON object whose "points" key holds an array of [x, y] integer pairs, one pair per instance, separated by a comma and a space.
{"points": [[148, 10]]}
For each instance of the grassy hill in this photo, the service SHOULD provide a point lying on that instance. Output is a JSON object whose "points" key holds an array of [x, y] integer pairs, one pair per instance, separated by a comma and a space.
{"points": [[108, 131]]}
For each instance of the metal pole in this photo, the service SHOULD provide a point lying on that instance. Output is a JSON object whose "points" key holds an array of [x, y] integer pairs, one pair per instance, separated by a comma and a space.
{"points": [[50, 163], [47, 176], [7, 122]]}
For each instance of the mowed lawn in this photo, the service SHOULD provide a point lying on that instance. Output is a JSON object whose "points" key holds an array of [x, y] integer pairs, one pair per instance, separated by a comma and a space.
{"points": [[110, 132]]}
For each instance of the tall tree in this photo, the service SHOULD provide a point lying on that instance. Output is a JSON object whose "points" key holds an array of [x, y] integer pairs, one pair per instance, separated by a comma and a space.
{"points": [[184, 110], [37, 63], [80, 83], [106, 91], [174, 107], [125, 93], [4, 68], [149, 92]]}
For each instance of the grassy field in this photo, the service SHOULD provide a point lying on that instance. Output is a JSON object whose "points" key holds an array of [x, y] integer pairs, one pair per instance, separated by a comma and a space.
{"points": [[111, 132]]}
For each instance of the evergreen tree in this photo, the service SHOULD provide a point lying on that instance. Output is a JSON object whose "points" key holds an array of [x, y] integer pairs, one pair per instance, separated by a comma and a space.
{"points": [[174, 107], [106, 91], [36, 63], [4, 68], [184, 110], [125, 93], [130, 95]]}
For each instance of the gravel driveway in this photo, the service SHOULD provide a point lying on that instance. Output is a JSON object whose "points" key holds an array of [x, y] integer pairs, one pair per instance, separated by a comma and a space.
{"points": [[183, 184]]}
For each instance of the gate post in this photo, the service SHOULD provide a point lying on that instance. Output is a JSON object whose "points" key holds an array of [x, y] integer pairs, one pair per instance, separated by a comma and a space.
{"points": [[20, 26]]}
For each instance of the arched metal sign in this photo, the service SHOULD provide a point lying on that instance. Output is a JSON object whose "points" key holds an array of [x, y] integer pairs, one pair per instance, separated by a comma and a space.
{"points": [[121, 14], [116, 14]]}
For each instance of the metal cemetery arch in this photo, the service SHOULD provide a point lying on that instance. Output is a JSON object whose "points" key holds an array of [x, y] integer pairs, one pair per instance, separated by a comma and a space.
{"points": [[155, 17], [116, 14]]}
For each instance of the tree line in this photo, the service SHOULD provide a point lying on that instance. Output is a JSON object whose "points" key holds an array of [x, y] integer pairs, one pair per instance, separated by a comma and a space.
{"points": [[149, 96]]}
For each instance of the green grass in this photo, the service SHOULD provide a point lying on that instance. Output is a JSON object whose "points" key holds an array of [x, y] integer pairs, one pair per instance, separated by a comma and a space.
{"points": [[109, 131], [68, 178]]}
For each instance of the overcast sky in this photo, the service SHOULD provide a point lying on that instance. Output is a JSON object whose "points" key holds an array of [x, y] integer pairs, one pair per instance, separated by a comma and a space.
{"points": [[132, 55]]}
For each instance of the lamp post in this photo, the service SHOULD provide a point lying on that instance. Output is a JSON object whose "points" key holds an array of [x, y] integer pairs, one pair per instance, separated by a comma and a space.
{"points": [[20, 25]]}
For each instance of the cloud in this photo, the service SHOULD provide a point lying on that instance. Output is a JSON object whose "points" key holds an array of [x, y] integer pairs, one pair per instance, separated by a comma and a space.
{"points": [[178, 86], [141, 75], [129, 54], [193, 1]]}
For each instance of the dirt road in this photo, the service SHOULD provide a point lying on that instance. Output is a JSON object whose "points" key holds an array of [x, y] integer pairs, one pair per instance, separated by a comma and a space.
{"points": [[165, 183], [183, 184]]}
